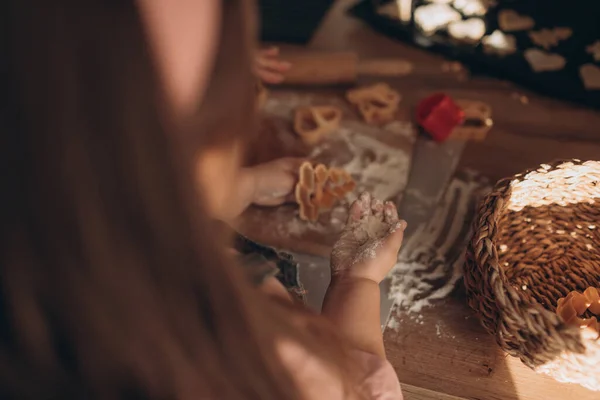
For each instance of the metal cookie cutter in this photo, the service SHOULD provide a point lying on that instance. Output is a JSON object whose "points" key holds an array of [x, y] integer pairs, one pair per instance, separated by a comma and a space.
{"points": [[477, 120], [314, 123], [443, 117]]}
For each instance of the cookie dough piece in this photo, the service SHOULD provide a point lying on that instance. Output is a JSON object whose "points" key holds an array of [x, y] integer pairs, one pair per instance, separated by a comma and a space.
{"points": [[548, 38], [312, 124], [304, 192], [478, 120], [468, 31], [319, 188], [541, 61], [377, 104], [433, 17], [572, 308], [472, 7], [510, 21], [499, 43], [590, 76]]}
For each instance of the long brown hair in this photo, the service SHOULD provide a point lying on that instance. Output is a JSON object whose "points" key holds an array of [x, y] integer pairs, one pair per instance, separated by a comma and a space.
{"points": [[113, 284]]}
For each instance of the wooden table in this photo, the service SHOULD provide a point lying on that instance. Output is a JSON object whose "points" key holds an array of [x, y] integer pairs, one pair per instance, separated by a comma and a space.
{"points": [[444, 354]]}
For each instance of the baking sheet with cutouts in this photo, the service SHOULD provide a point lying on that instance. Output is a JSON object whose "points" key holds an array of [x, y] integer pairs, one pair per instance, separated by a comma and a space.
{"points": [[378, 158], [552, 47]]}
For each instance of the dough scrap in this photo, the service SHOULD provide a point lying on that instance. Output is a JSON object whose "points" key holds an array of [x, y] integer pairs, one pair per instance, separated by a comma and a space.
{"points": [[377, 103], [575, 304], [312, 124], [320, 188]]}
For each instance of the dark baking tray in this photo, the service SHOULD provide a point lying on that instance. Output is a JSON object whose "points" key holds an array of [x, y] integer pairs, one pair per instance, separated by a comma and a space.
{"points": [[582, 16], [291, 21]]}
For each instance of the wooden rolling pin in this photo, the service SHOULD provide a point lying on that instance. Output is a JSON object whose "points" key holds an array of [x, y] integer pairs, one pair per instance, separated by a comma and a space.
{"points": [[339, 68]]}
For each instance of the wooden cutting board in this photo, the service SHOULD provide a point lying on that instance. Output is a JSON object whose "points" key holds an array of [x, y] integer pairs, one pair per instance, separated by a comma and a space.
{"points": [[378, 158]]}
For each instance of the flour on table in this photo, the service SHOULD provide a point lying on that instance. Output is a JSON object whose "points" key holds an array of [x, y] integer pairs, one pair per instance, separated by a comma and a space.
{"points": [[376, 167], [296, 227], [405, 129], [394, 324], [431, 259]]}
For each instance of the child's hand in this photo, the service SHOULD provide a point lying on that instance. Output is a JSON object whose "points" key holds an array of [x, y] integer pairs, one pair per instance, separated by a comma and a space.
{"points": [[269, 68], [369, 244], [274, 182]]}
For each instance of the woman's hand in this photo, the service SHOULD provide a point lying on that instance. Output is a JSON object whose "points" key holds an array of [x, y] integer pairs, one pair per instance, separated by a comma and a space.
{"points": [[274, 182], [369, 244], [269, 68]]}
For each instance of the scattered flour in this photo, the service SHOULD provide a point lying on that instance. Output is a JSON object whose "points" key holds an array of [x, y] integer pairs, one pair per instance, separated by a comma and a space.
{"points": [[296, 227], [376, 167], [385, 175], [417, 194], [405, 129], [394, 324], [431, 260]]}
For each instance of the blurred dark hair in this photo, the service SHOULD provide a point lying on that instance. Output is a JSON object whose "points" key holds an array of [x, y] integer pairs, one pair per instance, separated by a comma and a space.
{"points": [[113, 282]]}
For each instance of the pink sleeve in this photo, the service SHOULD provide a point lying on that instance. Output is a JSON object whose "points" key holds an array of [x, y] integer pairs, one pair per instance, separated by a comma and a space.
{"points": [[380, 380]]}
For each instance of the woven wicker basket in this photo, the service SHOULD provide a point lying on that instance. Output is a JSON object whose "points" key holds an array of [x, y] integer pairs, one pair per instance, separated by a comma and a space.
{"points": [[535, 240]]}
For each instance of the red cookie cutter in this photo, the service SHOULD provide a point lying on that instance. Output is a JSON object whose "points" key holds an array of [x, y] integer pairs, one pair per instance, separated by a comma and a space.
{"points": [[461, 119], [439, 115]]}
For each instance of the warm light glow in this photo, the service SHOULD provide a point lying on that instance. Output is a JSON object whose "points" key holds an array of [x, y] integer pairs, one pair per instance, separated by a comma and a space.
{"points": [[586, 361], [404, 9], [471, 7], [470, 30], [435, 16], [568, 184], [499, 42]]}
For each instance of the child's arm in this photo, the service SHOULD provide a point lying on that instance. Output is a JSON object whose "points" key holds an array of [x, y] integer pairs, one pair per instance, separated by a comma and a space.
{"points": [[352, 305], [366, 252]]}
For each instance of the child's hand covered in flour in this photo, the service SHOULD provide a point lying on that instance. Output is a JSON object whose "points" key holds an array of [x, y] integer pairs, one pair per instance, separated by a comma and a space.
{"points": [[369, 244]]}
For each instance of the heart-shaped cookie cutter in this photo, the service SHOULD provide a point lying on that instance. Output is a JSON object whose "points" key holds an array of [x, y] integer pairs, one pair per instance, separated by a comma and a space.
{"points": [[319, 188], [477, 120], [314, 123], [377, 103]]}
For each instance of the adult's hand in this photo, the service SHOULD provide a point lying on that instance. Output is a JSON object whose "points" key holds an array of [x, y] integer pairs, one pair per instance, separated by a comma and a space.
{"points": [[275, 181]]}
